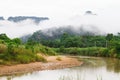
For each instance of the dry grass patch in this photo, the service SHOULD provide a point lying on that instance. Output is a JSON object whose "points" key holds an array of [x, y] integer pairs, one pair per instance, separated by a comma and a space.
{"points": [[59, 58]]}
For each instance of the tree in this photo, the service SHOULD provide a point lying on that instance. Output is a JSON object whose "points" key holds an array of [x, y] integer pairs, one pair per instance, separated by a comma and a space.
{"points": [[17, 41], [109, 37], [4, 37]]}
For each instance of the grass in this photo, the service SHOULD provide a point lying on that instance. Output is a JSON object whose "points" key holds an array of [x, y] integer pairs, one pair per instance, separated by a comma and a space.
{"points": [[59, 58], [16, 54], [20, 58], [77, 77], [90, 51]]}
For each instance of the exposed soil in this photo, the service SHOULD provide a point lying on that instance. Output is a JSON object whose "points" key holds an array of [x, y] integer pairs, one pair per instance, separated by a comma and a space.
{"points": [[53, 63]]}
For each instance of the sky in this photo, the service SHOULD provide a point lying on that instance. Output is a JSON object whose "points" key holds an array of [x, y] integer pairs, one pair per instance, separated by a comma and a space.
{"points": [[60, 12], [57, 8]]}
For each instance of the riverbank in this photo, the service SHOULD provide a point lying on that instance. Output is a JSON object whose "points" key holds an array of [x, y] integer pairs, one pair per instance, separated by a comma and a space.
{"points": [[53, 62]]}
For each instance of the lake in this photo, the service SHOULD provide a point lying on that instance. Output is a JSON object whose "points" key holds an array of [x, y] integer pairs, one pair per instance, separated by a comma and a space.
{"points": [[94, 68]]}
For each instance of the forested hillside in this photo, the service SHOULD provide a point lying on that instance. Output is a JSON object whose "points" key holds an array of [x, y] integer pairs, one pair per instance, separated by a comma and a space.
{"points": [[67, 41], [69, 37]]}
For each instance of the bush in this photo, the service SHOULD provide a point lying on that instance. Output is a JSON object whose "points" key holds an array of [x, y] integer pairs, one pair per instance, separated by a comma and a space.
{"points": [[3, 48], [41, 49], [47, 50], [104, 52], [19, 54], [73, 51], [90, 51], [23, 58], [59, 58], [40, 58]]}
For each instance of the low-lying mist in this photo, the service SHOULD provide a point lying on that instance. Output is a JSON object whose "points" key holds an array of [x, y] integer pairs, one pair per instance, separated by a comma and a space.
{"points": [[90, 23], [19, 29]]}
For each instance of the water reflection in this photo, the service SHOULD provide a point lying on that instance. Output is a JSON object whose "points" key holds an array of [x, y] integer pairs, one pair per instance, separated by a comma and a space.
{"points": [[92, 69], [113, 65]]}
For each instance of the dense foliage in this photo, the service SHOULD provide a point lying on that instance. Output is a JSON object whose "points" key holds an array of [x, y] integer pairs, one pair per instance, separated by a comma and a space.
{"points": [[81, 44], [89, 51], [12, 51]]}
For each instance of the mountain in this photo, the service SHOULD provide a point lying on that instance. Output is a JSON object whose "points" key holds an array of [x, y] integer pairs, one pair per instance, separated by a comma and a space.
{"points": [[2, 18], [25, 38], [22, 18], [56, 33], [89, 13]]}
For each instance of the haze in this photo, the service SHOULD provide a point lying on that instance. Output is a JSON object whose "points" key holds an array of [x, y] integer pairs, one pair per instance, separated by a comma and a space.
{"points": [[60, 12]]}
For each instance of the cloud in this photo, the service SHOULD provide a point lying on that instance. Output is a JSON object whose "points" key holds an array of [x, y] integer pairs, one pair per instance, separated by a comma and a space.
{"points": [[108, 23], [19, 29]]}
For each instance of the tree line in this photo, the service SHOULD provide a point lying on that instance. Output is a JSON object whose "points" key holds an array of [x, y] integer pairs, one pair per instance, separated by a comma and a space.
{"points": [[97, 45]]}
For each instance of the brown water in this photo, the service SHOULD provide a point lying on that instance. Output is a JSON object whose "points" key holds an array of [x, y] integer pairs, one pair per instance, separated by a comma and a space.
{"points": [[92, 69]]}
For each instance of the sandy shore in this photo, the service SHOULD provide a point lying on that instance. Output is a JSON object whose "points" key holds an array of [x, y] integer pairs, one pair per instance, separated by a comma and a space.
{"points": [[36, 66]]}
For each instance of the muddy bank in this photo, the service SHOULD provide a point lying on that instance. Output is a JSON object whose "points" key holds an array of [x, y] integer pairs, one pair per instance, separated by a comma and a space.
{"points": [[52, 63]]}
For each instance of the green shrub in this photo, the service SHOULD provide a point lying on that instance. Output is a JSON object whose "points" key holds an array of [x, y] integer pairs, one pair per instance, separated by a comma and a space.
{"points": [[6, 57], [19, 54], [47, 50], [104, 52], [118, 56], [23, 59], [40, 58], [3, 48], [41, 49], [90, 51]]}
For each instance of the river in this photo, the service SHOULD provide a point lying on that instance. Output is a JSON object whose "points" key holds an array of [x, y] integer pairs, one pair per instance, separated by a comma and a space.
{"points": [[94, 68]]}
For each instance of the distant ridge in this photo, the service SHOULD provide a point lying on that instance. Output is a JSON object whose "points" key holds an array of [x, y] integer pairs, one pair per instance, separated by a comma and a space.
{"points": [[2, 18], [22, 18]]}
